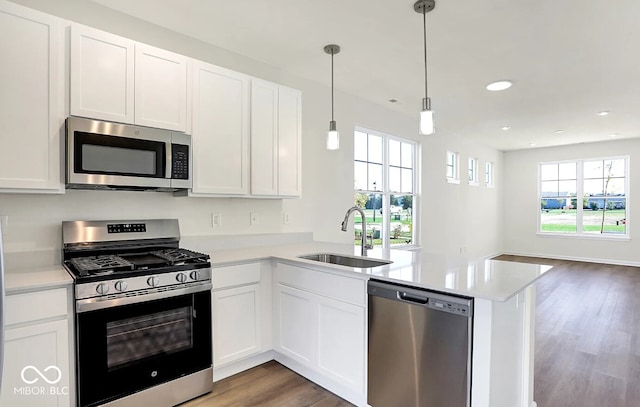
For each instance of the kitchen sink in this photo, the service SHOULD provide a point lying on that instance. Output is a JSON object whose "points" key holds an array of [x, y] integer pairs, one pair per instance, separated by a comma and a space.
{"points": [[349, 261]]}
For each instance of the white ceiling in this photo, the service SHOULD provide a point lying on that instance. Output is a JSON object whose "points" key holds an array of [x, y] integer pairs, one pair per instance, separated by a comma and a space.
{"points": [[568, 59]]}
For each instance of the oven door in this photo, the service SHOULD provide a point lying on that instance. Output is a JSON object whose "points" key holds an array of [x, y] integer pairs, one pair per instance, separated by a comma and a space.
{"points": [[128, 348]]}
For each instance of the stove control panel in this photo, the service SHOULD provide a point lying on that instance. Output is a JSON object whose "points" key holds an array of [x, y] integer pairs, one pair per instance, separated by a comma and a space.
{"points": [[127, 228], [129, 286]]}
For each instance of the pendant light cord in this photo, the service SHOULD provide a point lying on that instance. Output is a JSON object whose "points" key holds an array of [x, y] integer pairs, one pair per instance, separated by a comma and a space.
{"points": [[332, 85], [424, 24]]}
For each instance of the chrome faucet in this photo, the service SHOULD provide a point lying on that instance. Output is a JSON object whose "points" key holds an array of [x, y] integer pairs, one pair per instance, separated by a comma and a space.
{"points": [[345, 223]]}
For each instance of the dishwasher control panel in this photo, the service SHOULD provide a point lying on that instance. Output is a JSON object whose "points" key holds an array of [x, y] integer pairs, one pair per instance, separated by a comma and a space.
{"points": [[447, 306]]}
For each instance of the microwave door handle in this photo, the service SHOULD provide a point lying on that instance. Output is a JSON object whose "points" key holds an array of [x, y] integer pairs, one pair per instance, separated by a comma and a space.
{"points": [[169, 160]]}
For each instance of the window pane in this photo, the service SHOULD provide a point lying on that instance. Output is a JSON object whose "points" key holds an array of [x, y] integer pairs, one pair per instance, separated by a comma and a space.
{"points": [[593, 187], [556, 218], [616, 187], [401, 229], [360, 146], [593, 169], [407, 180], [618, 168], [407, 155], [549, 188], [360, 175], [567, 188], [548, 172], [394, 179], [375, 149], [375, 177], [394, 153], [567, 171], [372, 209]]}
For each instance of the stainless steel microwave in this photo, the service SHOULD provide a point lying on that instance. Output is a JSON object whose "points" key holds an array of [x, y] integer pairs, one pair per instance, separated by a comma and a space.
{"points": [[104, 155]]}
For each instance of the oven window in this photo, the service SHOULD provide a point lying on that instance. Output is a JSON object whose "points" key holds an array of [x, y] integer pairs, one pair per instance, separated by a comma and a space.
{"points": [[119, 160], [132, 339]]}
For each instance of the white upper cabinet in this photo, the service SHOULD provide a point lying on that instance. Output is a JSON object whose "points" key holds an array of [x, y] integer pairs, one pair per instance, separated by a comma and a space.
{"points": [[31, 100], [102, 75], [161, 88], [220, 133], [289, 142], [275, 139], [117, 79]]}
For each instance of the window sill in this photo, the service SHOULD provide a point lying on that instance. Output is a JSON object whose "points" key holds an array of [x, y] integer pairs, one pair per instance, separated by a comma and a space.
{"points": [[585, 236], [453, 181], [490, 186], [473, 184]]}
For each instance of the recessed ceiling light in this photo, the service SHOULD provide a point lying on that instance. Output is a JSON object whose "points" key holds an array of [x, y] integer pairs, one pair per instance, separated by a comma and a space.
{"points": [[532, 144], [603, 113], [613, 135], [505, 128], [499, 85], [559, 131]]}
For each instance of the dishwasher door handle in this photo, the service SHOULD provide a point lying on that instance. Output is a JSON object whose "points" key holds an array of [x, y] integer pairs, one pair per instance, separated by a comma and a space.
{"points": [[412, 298]]}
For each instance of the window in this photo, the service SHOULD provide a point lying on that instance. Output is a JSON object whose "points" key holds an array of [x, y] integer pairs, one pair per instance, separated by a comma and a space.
{"points": [[385, 179], [584, 197], [488, 174], [473, 171], [452, 167]]}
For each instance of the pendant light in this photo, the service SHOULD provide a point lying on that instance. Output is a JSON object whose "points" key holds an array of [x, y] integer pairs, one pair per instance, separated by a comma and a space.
{"points": [[333, 137], [426, 115]]}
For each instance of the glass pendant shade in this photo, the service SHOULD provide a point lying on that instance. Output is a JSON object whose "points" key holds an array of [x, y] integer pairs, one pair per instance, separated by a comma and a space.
{"points": [[333, 137], [426, 118]]}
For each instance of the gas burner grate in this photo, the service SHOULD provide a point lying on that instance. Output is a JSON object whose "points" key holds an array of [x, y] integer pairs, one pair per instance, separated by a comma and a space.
{"points": [[179, 255], [93, 264]]}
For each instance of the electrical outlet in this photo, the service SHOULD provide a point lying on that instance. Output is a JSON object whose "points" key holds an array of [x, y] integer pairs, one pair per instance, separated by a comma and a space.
{"points": [[285, 218], [253, 218], [216, 220]]}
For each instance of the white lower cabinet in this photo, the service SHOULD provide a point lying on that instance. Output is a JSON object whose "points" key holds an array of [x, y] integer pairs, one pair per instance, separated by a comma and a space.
{"points": [[241, 310], [37, 368], [321, 327], [236, 323]]}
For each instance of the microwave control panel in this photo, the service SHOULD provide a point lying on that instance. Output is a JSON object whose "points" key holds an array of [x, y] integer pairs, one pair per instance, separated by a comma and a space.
{"points": [[179, 161]]}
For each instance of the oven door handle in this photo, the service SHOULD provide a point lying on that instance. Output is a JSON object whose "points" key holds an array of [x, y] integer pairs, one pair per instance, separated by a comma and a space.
{"points": [[92, 304]]}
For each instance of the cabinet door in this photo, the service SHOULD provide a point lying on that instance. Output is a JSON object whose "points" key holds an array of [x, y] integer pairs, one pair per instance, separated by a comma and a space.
{"points": [[160, 88], [296, 324], [264, 138], [342, 342], [220, 138], [289, 142], [36, 366], [236, 324], [102, 75], [31, 99]]}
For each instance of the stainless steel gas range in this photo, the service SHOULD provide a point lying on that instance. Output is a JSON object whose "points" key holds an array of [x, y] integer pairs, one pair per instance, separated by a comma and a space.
{"points": [[143, 313]]}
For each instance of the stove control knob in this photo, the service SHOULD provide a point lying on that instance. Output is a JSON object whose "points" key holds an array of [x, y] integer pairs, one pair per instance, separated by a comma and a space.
{"points": [[121, 285], [102, 288], [153, 281], [181, 277], [195, 275]]}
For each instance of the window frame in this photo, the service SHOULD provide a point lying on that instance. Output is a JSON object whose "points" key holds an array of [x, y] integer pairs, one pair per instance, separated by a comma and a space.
{"points": [[472, 169], [455, 167], [489, 169], [579, 233], [386, 193]]}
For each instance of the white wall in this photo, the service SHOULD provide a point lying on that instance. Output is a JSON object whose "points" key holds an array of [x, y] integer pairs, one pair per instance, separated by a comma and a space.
{"points": [[522, 205], [471, 218]]}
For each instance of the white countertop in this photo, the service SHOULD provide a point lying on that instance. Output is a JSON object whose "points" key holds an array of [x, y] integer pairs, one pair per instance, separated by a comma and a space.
{"points": [[494, 280]]}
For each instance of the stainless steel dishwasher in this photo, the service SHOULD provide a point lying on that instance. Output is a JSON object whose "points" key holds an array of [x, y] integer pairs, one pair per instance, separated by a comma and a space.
{"points": [[419, 347]]}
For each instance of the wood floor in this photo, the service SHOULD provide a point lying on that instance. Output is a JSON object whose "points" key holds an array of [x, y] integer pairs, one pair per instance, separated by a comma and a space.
{"points": [[268, 385], [587, 347]]}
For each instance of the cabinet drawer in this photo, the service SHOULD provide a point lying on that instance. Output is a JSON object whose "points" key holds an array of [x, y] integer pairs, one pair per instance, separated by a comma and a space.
{"points": [[342, 288], [231, 276], [36, 305]]}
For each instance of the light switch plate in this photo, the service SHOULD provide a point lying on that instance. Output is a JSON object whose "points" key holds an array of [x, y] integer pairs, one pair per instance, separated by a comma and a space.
{"points": [[253, 218]]}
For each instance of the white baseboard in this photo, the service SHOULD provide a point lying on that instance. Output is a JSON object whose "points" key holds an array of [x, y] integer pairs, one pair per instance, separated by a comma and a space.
{"points": [[225, 371]]}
